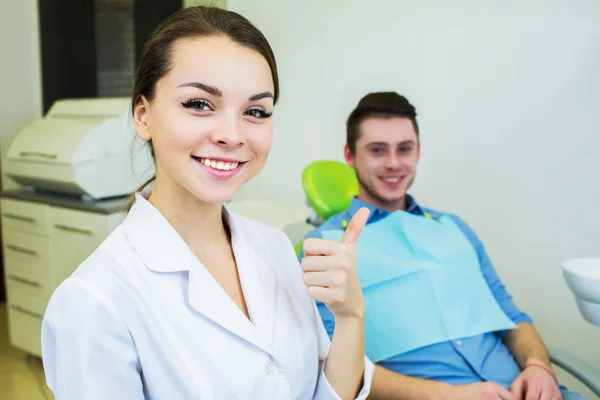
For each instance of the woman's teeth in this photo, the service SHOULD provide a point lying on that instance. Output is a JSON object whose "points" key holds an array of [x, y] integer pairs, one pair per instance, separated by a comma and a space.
{"points": [[223, 166]]}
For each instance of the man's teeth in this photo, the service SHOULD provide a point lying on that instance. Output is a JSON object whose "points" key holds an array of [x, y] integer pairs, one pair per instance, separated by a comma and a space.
{"points": [[391, 180], [223, 166]]}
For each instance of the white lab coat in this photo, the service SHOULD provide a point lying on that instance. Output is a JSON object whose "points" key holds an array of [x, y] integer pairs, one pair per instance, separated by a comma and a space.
{"points": [[142, 318]]}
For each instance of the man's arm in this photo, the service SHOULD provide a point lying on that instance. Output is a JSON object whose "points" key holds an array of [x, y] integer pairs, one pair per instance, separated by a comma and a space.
{"points": [[491, 277], [527, 346], [537, 378], [524, 343]]}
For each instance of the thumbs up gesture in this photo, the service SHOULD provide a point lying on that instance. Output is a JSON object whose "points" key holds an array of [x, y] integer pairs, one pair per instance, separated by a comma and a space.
{"points": [[330, 270]]}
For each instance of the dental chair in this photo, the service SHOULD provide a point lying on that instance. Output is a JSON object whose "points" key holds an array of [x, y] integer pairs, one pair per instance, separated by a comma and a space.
{"points": [[329, 187]]}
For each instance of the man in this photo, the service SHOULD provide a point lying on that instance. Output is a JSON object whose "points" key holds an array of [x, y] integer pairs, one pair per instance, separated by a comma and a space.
{"points": [[496, 363]]}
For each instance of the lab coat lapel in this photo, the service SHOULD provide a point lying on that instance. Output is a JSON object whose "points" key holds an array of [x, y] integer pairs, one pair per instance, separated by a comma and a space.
{"points": [[150, 234], [208, 298], [258, 282]]}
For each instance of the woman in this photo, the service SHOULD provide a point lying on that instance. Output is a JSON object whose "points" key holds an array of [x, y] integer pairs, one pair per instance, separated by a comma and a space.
{"points": [[185, 299]]}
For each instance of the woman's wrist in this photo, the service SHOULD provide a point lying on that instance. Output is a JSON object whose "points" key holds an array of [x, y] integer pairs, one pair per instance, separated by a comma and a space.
{"points": [[350, 323], [356, 316]]}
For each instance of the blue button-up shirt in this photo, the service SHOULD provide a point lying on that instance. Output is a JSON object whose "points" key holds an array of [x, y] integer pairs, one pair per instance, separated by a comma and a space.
{"points": [[469, 360]]}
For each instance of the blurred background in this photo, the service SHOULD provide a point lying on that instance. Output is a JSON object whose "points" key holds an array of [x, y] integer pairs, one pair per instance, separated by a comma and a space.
{"points": [[508, 102]]}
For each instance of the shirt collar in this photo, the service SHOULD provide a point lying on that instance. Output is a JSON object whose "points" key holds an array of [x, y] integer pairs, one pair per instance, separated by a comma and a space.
{"points": [[412, 207]]}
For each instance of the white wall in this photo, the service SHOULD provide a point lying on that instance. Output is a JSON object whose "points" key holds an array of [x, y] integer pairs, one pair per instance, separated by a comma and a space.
{"points": [[20, 76], [508, 96]]}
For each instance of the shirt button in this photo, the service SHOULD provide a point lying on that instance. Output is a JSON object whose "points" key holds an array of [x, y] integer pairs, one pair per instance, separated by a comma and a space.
{"points": [[459, 342], [272, 370]]}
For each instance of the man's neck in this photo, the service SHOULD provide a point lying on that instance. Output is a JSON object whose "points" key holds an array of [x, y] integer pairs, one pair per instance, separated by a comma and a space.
{"points": [[389, 206]]}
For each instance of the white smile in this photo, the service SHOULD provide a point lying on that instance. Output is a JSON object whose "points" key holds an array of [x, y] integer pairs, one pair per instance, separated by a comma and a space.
{"points": [[392, 180], [220, 165]]}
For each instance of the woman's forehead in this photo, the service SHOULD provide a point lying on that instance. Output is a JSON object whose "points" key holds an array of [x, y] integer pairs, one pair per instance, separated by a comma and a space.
{"points": [[219, 62]]}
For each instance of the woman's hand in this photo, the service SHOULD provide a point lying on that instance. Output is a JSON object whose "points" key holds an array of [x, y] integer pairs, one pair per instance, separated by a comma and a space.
{"points": [[330, 270]]}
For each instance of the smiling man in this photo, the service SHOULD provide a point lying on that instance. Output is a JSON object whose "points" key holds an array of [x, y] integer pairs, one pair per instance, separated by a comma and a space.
{"points": [[439, 323]]}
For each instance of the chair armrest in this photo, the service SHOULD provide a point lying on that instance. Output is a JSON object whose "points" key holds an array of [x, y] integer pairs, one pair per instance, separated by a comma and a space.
{"points": [[585, 372]]}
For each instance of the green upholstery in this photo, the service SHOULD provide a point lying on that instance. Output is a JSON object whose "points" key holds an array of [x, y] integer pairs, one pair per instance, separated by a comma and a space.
{"points": [[298, 247], [329, 186]]}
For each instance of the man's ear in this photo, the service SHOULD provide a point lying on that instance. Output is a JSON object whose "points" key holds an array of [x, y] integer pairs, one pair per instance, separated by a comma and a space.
{"points": [[141, 112], [348, 156]]}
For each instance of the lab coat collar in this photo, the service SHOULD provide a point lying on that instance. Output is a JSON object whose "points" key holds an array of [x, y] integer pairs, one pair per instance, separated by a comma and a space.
{"points": [[163, 250], [154, 238]]}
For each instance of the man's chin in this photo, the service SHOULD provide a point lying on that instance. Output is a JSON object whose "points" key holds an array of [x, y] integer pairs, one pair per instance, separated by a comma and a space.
{"points": [[391, 195], [389, 199]]}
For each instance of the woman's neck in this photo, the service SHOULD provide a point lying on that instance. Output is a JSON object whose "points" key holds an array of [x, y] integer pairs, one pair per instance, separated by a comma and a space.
{"points": [[199, 224]]}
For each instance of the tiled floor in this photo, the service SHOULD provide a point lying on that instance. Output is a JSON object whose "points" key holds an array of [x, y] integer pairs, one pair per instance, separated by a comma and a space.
{"points": [[21, 376]]}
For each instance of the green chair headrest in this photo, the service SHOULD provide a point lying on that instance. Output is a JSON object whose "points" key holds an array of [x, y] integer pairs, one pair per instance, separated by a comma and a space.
{"points": [[329, 186]]}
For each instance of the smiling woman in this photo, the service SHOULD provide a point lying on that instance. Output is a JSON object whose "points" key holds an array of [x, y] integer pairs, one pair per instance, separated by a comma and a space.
{"points": [[222, 70], [212, 104], [186, 299]]}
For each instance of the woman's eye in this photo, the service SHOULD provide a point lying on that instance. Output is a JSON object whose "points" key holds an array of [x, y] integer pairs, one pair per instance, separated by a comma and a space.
{"points": [[200, 105], [258, 113]]}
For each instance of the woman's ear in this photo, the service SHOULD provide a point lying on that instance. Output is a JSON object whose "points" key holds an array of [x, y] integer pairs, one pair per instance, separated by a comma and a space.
{"points": [[141, 113]]}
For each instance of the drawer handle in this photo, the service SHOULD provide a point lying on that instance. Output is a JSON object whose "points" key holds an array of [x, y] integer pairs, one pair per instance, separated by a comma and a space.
{"points": [[25, 281], [21, 250], [74, 230], [38, 154], [27, 312], [19, 218]]}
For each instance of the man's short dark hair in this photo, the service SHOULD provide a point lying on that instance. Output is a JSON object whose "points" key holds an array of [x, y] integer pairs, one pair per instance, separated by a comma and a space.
{"points": [[378, 105]]}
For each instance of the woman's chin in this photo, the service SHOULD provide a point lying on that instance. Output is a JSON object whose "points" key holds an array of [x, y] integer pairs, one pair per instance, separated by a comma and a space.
{"points": [[216, 195]]}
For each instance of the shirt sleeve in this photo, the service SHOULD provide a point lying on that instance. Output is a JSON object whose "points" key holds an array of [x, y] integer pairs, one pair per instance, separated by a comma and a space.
{"points": [[498, 289], [324, 391], [87, 350]]}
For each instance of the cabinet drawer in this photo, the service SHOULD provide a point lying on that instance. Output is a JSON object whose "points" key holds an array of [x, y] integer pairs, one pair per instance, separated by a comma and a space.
{"points": [[25, 315], [25, 216], [26, 279], [26, 248], [70, 250], [79, 223], [75, 235]]}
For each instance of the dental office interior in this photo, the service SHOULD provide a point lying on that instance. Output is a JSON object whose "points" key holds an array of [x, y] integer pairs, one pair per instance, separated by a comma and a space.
{"points": [[507, 96]]}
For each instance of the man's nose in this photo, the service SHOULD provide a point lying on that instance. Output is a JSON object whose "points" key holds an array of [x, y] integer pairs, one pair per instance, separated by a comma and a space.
{"points": [[393, 162]]}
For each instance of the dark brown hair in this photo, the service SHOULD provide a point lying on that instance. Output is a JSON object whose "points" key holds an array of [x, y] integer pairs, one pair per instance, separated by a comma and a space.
{"points": [[193, 22], [378, 105]]}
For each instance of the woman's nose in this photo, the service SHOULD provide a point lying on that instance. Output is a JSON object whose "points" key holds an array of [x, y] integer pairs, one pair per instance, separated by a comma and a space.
{"points": [[229, 134]]}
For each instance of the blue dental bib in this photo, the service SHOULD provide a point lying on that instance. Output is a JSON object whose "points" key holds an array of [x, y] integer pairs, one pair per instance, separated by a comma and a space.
{"points": [[422, 285]]}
